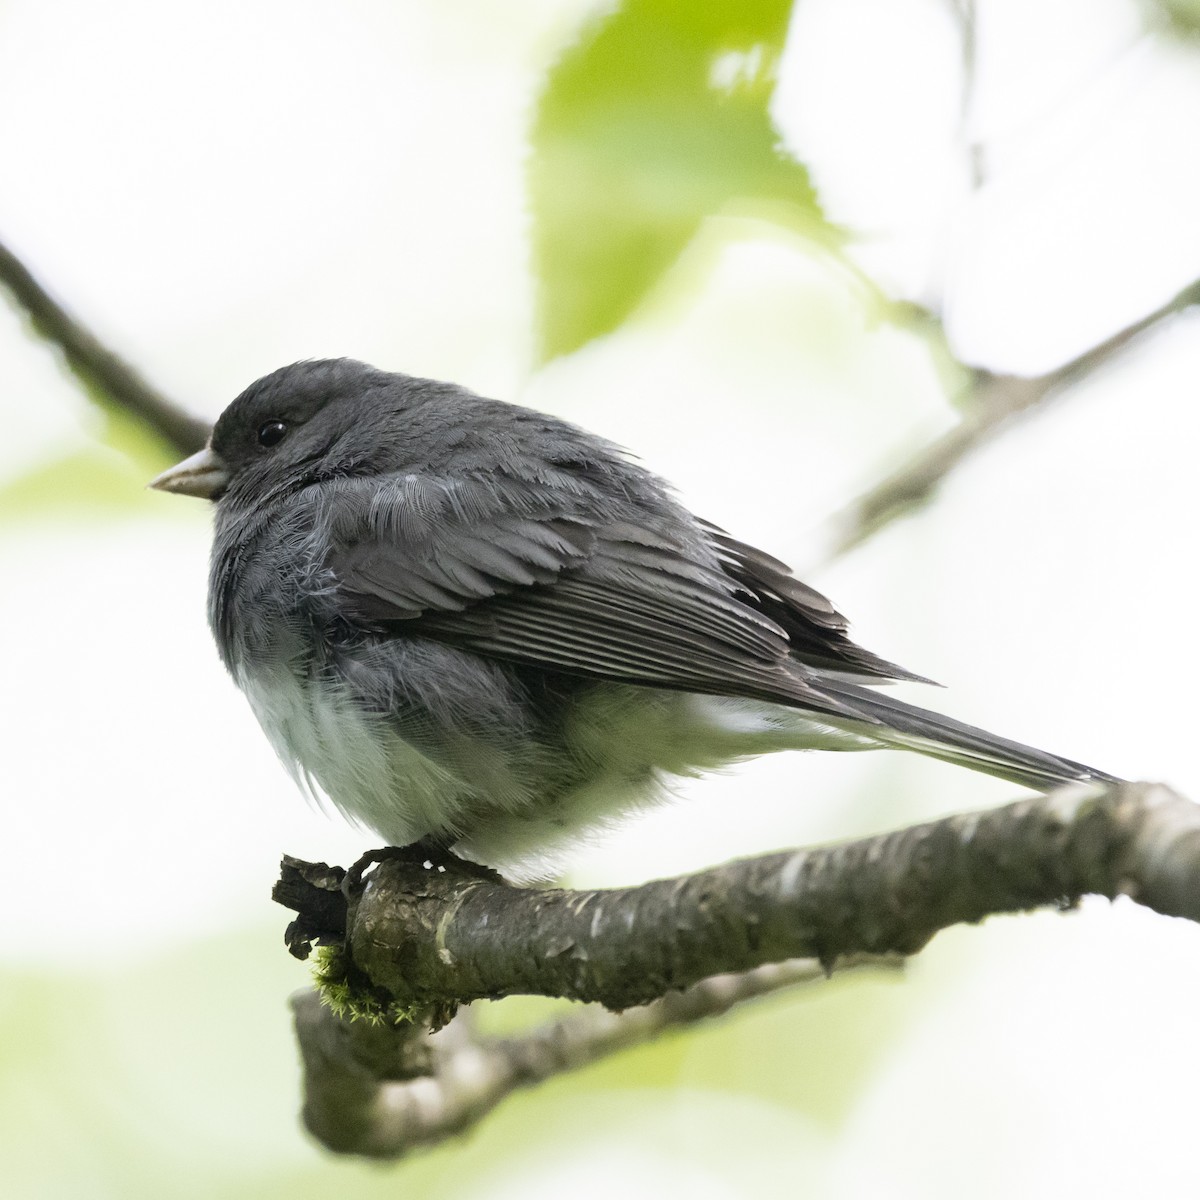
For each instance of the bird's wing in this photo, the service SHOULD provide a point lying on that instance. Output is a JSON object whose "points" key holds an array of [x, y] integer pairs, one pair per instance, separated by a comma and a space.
{"points": [[537, 577], [816, 631]]}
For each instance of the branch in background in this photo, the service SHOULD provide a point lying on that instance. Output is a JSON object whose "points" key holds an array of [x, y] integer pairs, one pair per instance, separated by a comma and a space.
{"points": [[95, 365], [998, 399], [433, 935], [363, 1095]]}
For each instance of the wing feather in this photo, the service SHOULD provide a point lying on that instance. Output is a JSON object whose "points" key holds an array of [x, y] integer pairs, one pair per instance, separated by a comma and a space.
{"points": [[568, 580]]}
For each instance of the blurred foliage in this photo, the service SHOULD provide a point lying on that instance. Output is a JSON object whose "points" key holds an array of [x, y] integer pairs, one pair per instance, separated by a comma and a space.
{"points": [[657, 117], [138, 1076], [92, 480], [147, 449], [1180, 17], [104, 477]]}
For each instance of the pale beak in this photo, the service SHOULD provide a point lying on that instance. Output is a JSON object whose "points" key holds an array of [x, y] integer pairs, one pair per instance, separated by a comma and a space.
{"points": [[204, 475]]}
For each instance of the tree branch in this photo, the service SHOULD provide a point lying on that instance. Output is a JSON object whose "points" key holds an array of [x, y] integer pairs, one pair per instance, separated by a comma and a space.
{"points": [[97, 367], [435, 934], [996, 401], [384, 1090], [431, 934]]}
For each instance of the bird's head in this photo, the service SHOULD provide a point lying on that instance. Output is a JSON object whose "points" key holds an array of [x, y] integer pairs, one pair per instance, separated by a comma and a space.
{"points": [[303, 422]]}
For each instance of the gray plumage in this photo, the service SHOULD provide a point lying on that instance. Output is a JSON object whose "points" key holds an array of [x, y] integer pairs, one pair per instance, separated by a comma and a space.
{"points": [[470, 622]]}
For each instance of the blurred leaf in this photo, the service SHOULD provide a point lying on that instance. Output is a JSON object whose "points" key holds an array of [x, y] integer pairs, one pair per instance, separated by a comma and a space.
{"points": [[655, 119], [94, 479], [1180, 17], [816, 1050], [147, 451], [176, 1076], [105, 477]]}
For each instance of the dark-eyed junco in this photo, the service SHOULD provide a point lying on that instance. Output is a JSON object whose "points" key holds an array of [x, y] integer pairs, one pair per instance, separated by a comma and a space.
{"points": [[472, 623]]}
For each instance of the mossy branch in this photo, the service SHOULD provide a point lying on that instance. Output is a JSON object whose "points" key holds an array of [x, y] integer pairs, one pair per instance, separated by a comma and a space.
{"points": [[432, 935]]}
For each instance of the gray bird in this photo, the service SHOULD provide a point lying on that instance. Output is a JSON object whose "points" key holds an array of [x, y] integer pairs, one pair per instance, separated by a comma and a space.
{"points": [[473, 624]]}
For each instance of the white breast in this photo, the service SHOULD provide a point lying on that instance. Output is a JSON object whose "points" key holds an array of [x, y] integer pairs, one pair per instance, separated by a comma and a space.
{"points": [[336, 751]]}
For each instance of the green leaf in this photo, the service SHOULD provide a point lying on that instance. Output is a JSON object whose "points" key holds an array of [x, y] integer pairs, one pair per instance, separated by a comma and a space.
{"points": [[655, 119]]}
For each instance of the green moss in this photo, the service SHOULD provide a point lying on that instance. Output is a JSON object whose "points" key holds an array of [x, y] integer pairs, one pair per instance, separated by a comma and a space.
{"points": [[351, 996]]}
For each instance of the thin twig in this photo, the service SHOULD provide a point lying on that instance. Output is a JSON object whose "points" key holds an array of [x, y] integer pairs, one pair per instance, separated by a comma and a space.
{"points": [[998, 399], [95, 365], [362, 1095]]}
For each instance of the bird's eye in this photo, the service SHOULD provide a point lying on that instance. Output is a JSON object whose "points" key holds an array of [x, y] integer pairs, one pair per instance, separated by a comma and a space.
{"points": [[271, 433]]}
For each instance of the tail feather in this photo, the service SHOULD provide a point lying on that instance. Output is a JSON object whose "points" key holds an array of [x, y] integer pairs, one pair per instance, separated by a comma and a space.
{"points": [[893, 722]]}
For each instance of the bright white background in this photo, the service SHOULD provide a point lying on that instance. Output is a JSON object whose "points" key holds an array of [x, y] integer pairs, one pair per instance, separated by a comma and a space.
{"points": [[221, 188]]}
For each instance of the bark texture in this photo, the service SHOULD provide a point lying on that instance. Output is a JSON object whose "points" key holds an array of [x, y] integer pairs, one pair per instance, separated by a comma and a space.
{"points": [[432, 934]]}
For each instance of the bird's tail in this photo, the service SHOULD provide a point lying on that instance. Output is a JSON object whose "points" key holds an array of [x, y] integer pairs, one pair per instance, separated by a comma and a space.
{"points": [[894, 723]]}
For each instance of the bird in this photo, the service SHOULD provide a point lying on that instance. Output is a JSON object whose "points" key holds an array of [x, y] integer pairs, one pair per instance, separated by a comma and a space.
{"points": [[475, 626]]}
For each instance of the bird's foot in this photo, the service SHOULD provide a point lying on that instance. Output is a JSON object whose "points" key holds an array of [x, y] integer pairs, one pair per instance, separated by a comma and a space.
{"points": [[429, 853]]}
